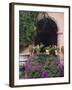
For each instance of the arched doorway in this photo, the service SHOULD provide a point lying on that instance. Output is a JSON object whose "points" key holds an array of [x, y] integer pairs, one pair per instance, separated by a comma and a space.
{"points": [[46, 32]]}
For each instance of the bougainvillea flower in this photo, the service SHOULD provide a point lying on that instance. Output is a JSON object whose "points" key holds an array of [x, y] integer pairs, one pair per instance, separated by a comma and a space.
{"points": [[44, 74], [26, 67]]}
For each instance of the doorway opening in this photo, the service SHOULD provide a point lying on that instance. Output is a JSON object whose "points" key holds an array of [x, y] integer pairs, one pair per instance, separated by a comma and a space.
{"points": [[46, 32]]}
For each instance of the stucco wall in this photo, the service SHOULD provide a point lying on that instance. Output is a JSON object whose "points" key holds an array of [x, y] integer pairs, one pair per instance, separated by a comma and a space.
{"points": [[59, 19]]}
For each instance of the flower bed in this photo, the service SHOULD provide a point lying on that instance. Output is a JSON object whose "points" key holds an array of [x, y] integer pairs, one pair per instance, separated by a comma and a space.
{"points": [[41, 66]]}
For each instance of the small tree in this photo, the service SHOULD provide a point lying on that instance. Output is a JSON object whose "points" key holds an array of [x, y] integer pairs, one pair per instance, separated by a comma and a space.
{"points": [[27, 26]]}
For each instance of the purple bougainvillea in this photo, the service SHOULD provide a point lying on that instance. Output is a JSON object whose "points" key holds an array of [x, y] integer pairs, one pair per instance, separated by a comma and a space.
{"points": [[36, 69], [44, 74], [26, 67]]}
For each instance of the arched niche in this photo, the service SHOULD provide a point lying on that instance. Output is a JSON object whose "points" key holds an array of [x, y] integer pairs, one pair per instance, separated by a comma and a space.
{"points": [[46, 31]]}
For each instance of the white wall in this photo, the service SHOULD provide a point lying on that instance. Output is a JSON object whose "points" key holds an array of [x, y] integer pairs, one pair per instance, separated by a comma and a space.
{"points": [[4, 43]]}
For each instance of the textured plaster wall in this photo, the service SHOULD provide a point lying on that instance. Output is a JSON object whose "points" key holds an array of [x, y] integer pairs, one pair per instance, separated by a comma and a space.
{"points": [[59, 19]]}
